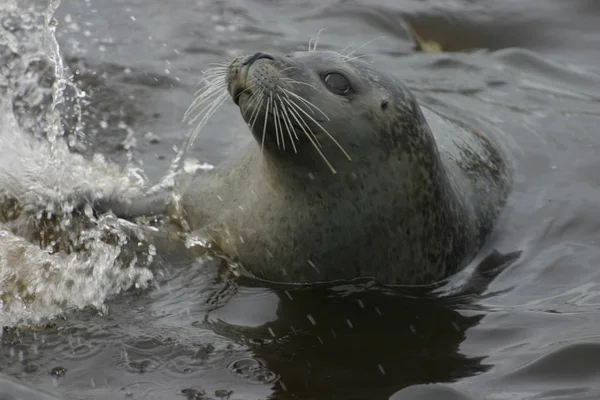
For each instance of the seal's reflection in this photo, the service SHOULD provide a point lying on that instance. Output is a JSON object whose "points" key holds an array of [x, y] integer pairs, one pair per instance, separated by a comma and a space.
{"points": [[348, 341]]}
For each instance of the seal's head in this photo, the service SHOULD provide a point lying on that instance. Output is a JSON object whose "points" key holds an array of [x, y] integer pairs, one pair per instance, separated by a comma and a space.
{"points": [[321, 110]]}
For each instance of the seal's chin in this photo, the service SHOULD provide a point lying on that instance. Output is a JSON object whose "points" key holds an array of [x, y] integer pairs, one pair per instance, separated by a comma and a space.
{"points": [[240, 94]]}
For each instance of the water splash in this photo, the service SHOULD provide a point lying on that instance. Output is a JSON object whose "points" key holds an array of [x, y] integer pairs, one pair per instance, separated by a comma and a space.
{"points": [[52, 258]]}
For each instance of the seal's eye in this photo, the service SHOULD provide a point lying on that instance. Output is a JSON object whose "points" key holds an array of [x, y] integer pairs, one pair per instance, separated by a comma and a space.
{"points": [[337, 83]]}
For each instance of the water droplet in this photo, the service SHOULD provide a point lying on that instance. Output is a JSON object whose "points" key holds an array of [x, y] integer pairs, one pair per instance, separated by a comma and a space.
{"points": [[193, 393], [223, 394], [58, 372], [252, 370], [311, 319], [204, 352], [142, 366], [283, 387]]}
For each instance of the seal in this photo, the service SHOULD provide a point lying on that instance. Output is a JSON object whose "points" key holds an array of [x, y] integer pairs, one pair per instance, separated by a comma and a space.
{"points": [[349, 176]]}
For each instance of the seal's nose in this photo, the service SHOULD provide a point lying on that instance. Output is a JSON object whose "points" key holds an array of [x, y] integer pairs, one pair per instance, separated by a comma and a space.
{"points": [[256, 56]]}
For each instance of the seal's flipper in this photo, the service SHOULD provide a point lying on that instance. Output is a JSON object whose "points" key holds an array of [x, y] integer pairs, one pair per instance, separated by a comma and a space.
{"points": [[150, 205]]}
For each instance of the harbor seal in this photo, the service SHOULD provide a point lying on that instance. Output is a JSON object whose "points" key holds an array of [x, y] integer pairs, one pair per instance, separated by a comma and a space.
{"points": [[349, 177]]}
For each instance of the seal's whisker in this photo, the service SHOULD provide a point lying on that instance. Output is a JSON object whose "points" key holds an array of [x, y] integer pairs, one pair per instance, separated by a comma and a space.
{"points": [[314, 41], [211, 86], [254, 105], [361, 56], [217, 69], [284, 108], [269, 111], [210, 78], [210, 81], [346, 57], [214, 106], [277, 122], [253, 100], [217, 65], [287, 123], [287, 69], [214, 70], [209, 113], [262, 142], [225, 60], [303, 122], [292, 108], [306, 102], [205, 93], [297, 118], [212, 96], [256, 112], [294, 82], [341, 52], [311, 44], [200, 100], [208, 90], [325, 131]]}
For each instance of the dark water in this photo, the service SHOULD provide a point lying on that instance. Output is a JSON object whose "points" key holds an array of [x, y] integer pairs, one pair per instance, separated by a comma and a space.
{"points": [[529, 68]]}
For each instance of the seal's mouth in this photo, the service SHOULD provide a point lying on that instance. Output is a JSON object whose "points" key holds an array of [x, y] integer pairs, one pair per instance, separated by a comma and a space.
{"points": [[238, 91], [238, 84]]}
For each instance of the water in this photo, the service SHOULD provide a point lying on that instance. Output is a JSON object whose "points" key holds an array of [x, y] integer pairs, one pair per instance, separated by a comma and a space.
{"points": [[185, 328]]}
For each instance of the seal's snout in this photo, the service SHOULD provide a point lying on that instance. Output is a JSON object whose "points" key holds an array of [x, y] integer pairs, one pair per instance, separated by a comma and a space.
{"points": [[257, 56], [239, 84]]}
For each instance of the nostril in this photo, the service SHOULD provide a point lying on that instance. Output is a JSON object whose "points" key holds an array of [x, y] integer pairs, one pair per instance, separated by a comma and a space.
{"points": [[256, 56]]}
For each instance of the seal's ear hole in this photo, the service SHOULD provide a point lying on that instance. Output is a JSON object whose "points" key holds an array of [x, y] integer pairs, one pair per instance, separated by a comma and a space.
{"points": [[384, 105]]}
